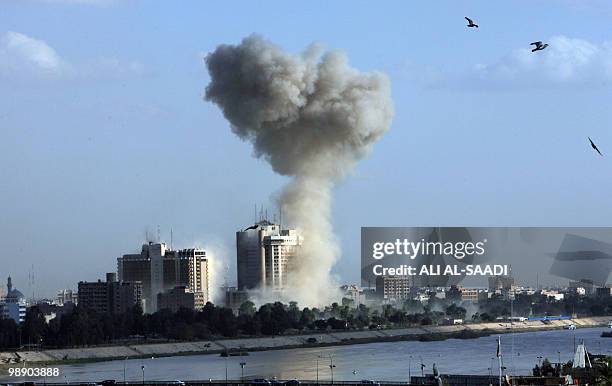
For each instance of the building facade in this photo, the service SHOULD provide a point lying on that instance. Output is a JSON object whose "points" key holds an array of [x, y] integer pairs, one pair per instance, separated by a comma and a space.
{"points": [[394, 288], [180, 297], [159, 269], [13, 305], [110, 296], [265, 254], [66, 296]]}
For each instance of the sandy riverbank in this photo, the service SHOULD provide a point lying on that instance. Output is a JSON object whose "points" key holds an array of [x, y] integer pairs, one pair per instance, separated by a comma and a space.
{"points": [[283, 342]]}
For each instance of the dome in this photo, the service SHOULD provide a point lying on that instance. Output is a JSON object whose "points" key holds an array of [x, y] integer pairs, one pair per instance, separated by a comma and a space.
{"points": [[15, 294]]}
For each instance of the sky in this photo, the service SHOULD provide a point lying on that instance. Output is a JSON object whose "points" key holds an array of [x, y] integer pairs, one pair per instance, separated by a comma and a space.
{"points": [[105, 136]]}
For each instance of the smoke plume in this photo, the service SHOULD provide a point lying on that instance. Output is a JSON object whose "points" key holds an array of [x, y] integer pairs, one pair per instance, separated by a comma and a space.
{"points": [[312, 117]]}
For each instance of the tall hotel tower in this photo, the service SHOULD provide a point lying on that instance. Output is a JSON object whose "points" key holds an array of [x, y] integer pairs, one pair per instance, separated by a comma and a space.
{"points": [[265, 254]]}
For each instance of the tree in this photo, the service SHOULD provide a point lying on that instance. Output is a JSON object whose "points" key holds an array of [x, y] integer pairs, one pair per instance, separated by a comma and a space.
{"points": [[247, 309]]}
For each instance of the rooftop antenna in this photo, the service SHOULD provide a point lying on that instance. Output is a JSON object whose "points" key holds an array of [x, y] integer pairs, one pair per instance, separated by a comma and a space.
{"points": [[171, 240], [255, 214], [280, 216]]}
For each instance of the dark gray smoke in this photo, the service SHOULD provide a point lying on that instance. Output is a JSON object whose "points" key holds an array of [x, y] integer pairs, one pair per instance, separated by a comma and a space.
{"points": [[312, 117]]}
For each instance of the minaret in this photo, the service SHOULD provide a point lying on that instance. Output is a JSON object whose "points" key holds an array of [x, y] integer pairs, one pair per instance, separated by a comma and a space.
{"points": [[9, 285]]}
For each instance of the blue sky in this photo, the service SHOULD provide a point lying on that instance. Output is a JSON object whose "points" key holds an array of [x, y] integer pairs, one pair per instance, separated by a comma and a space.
{"points": [[104, 133]]}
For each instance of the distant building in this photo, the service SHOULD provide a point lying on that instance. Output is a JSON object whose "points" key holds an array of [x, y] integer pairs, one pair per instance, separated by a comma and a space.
{"points": [[13, 304], [110, 296], [160, 269], [180, 297], [66, 296], [552, 294], [235, 297], [394, 288], [582, 287], [265, 254], [470, 295], [603, 292], [501, 284], [353, 293]]}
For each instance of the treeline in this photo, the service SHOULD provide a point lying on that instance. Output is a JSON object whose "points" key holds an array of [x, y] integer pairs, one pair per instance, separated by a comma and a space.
{"points": [[83, 327]]}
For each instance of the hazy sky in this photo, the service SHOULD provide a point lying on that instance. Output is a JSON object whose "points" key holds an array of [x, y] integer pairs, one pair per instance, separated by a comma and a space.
{"points": [[104, 133]]}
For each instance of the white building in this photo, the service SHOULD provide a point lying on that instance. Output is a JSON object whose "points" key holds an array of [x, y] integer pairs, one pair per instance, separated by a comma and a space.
{"points": [[13, 305], [66, 296], [265, 254]]}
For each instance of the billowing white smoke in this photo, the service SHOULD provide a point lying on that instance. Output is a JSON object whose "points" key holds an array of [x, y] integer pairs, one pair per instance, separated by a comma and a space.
{"points": [[312, 117]]}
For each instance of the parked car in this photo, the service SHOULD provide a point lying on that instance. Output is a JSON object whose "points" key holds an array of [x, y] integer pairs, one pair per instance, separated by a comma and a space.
{"points": [[369, 382]]}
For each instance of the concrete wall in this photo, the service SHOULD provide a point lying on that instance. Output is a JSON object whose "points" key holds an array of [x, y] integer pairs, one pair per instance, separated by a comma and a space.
{"points": [[326, 338]]}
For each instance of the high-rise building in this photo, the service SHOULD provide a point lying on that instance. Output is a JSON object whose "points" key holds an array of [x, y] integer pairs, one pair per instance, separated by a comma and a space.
{"points": [[13, 304], [160, 269], [265, 254], [110, 296]]}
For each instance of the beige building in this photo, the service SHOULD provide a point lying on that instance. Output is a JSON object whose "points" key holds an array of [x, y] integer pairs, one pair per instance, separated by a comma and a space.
{"points": [[394, 288], [161, 269], [265, 253]]}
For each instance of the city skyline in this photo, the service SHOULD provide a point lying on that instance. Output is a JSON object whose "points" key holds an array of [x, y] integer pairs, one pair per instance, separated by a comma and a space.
{"points": [[105, 133]]}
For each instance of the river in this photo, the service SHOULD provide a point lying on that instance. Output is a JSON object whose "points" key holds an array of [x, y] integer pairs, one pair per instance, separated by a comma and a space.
{"points": [[377, 361]]}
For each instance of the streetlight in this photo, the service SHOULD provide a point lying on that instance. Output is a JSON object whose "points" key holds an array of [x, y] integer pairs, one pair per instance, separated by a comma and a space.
{"points": [[422, 367], [410, 369], [242, 364], [142, 368], [331, 368], [226, 369], [124, 365], [318, 357]]}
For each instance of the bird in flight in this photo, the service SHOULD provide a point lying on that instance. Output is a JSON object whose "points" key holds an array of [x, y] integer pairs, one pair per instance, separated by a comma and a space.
{"points": [[594, 147], [538, 46], [470, 22]]}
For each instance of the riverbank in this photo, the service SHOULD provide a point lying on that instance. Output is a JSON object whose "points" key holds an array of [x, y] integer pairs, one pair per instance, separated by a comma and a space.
{"points": [[323, 339]]}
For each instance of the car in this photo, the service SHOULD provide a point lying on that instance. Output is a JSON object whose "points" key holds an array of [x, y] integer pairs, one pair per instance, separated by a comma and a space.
{"points": [[107, 382], [369, 382], [177, 382], [292, 382], [261, 381]]}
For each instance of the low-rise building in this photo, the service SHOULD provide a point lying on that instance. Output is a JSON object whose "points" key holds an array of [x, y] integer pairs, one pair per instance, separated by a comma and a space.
{"points": [[181, 297], [602, 292], [394, 288]]}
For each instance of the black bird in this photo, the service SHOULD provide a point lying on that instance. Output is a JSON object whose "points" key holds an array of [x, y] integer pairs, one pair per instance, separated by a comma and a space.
{"points": [[470, 22], [538, 46], [594, 147]]}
